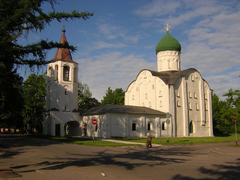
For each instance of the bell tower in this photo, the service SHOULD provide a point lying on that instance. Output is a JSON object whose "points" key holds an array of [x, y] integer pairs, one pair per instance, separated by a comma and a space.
{"points": [[62, 86]]}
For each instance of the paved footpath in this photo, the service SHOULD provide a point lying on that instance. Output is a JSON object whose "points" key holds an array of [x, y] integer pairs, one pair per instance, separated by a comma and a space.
{"points": [[131, 143], [37, 159]]}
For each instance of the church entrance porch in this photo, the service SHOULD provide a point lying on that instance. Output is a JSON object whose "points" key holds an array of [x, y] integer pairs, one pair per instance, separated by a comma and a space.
{"points": [[72, 128], [61, 124]]}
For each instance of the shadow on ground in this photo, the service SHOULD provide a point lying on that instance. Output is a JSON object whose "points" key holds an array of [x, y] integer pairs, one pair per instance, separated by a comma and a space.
{"points": [[21, 141], [228, 171], [129, 160]]}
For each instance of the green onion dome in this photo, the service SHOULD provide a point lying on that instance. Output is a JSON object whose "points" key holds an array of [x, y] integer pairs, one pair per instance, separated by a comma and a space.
{"points": [[168, 42]]}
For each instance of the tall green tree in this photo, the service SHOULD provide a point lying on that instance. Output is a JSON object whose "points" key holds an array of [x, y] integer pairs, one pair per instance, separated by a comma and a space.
{"points": [[233, 100], [114, 96], [222, 124], [11, 98], [224, 111], [85, 99], [18, 18], [34, 90]]}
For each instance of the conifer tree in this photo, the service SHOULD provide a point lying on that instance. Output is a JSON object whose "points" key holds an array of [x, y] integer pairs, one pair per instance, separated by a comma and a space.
{"points": [[18, 18]]}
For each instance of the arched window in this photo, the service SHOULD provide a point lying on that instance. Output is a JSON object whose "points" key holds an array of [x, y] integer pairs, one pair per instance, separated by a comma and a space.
{"points": [[56, 72], [164, 125], [66, 71], [190, 128], [134, 127], [51, 71], [149, 126]]}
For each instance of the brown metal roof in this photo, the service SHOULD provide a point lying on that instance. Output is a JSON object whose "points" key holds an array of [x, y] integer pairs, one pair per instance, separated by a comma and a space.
{"points": [[63, 54]]}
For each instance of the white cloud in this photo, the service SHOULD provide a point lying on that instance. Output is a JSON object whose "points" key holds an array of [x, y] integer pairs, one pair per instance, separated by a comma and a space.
{"points": [[158, 8], [113, 70], [117, 33], [106, 45], [221, 83], [212, 39], [213, 48]]}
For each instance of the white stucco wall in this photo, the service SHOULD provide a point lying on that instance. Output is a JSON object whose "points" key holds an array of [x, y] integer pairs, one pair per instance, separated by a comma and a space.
{"points": [[61, 97], [168, 61], [148, 91], [120, 125], [56, 87], [61, 118], [192, 95]]}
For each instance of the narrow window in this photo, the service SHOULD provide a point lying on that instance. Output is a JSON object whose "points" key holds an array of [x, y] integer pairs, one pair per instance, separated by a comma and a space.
{"points": [[190, 94], [159, 93], [56, 72], [149, 126], [66, 92], [51, 71], [164, 125], [190, 128], [66, 70], [206, 105], [195, 95], [134, 127], [197, 106], [178, 103], [192, 77], [190, 106], [178, 93]]}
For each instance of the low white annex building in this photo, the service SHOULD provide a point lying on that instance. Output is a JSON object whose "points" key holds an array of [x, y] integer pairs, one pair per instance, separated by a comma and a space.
{"points": [[184, 95], [125, 121], [62, 88]]}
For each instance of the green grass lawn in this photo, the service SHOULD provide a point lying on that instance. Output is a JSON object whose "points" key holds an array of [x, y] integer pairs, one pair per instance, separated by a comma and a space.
{"points": [[163, 141], [186, 140], [88, 142]]}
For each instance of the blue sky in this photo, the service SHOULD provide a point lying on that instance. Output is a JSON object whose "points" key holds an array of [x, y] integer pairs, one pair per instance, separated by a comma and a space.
{"points": [[120, 39]]}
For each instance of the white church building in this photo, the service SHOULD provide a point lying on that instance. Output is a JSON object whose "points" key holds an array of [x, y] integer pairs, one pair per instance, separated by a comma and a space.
{"points": [[183, 94], [167, 102]]}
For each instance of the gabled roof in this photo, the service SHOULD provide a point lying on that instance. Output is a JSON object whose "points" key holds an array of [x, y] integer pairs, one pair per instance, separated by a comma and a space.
{"points": [[168, 76], [123, 109], [63, 54]]}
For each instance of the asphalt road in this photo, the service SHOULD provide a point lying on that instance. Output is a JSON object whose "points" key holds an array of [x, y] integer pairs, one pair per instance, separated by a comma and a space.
{"points": [[34, 159]]}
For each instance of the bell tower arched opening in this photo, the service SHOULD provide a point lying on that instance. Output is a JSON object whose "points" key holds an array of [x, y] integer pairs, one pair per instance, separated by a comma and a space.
{"points": [[66, 72]]}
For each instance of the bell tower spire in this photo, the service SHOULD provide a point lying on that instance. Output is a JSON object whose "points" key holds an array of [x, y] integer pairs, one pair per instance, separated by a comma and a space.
{"points": [[63, 54]]}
